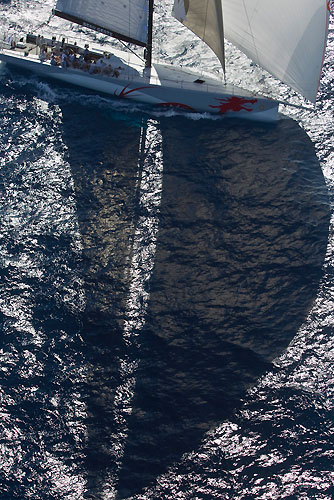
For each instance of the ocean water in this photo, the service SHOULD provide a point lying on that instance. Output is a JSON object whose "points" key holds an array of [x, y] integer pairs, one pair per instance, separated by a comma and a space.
{"points": [[166, 291]]}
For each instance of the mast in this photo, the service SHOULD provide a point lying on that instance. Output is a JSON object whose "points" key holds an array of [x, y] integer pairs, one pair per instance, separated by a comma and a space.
{"points": [[148, 56]]}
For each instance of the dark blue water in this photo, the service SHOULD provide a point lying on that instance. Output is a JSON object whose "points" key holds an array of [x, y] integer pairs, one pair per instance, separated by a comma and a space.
{"points": [[166, 301]]}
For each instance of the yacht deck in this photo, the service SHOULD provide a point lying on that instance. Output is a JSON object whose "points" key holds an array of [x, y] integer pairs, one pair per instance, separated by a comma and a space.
{"points": [[134, 69]]}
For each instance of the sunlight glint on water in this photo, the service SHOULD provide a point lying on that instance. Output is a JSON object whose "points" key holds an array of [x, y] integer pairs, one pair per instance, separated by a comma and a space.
{"points": [[33, 206]]}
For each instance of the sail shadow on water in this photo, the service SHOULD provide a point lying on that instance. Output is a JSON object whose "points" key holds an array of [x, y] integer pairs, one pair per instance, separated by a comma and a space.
{"points": [[242, 238], [237, 239]]}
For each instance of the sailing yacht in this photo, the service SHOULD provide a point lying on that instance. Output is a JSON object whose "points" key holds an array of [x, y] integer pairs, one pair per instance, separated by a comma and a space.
{"points": [[287, 39]]}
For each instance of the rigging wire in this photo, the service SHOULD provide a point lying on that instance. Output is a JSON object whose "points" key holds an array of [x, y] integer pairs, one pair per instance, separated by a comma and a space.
{"points": [[128, 48], [45, 23]]}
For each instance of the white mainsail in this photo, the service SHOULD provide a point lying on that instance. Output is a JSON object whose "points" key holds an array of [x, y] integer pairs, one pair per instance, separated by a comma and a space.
{"points": [[127, 19], [287, 38]]}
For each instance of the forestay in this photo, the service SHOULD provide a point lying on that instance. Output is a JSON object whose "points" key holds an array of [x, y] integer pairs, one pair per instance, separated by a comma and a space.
{"points": [[287, 38], [126, 19]]}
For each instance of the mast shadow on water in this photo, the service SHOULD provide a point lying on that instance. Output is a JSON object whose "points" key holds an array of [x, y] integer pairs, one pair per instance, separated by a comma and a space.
{"points": [[103, 147], [242, 237]]}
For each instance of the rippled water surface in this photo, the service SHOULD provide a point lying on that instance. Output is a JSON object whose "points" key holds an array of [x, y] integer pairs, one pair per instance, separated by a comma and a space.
{"points": [[166, 292]]}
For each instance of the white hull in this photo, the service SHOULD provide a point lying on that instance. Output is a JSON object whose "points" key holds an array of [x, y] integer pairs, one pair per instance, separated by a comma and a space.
{"points": [[162, 87]]}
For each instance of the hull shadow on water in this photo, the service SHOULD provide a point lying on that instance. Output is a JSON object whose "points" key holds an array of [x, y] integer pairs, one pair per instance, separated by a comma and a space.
{"points": [[243, 229]]}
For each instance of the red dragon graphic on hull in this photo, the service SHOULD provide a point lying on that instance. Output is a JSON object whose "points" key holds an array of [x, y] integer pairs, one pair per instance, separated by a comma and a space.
{"points": [[234, 104], [124, 94]]}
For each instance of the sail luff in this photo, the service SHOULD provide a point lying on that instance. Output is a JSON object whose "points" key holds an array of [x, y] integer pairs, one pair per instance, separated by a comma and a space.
{"points": [[328, 11], [219, 12]]}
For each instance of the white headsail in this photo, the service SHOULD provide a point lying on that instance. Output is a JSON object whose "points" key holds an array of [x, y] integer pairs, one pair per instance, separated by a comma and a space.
{"points": [[287, 38], [126, 19]]}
